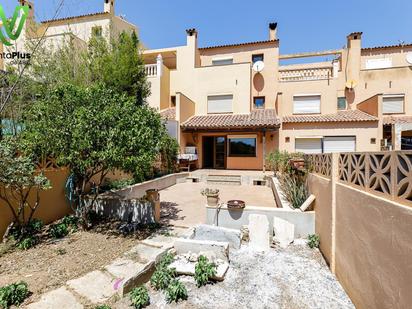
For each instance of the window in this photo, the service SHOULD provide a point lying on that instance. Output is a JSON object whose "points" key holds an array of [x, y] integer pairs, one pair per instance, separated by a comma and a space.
{"points": [[259, 102], [242, 146], [219, 104], [306, 104], [256, 58], [222, 61], [378, 63], [341, 103], [97, 31], [308, 145], [393, 104]]}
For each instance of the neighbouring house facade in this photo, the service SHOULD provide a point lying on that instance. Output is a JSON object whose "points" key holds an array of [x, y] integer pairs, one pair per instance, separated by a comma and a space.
{"points": [[73, 29], [235, 103]]}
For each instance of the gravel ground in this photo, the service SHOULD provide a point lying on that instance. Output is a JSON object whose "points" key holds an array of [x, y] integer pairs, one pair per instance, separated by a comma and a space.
{"points": [[296, 277]]}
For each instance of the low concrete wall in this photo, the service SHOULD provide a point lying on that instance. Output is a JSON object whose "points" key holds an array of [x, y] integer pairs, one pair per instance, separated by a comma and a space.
{"points": [[372, 240], [139, 190], [281, 201], [373, 249], [322, 188], [304, 221]]}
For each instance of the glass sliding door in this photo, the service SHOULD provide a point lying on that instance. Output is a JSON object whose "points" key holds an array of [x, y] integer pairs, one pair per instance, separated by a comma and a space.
{"points": [[220, 152]]}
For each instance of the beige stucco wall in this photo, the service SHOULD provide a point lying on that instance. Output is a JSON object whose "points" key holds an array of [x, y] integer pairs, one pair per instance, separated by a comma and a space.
{"points": [[322, 188], [363, 131], [53, 203], [373, 249]]}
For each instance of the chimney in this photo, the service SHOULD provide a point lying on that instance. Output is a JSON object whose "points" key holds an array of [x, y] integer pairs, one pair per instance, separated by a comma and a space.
{"points": [[192, 36], [109, 6], [31, 7], [273, 31]]}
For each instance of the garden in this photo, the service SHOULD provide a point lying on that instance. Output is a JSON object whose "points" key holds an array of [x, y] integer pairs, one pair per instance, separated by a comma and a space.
{"points": [[84, 113]]}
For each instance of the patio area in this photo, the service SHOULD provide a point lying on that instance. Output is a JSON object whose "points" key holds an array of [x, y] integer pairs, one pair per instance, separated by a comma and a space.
{"points": [[183, 204]]}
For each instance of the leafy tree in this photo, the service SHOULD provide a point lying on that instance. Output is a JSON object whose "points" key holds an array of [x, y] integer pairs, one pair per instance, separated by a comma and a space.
{"points": [[94, 131], [18, 179]]}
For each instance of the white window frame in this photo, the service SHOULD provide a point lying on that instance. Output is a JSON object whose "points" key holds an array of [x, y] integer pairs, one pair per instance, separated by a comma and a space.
{"points": [[316, 111], [225, 97], [378, 63], [222, 61], [392, 96]]}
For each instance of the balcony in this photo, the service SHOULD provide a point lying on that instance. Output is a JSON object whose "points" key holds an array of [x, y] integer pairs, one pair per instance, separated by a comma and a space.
{"points": [[304, 74], [151, 70]]}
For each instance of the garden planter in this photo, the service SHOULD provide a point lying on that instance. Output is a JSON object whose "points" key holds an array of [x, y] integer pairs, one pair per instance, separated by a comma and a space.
{"points": [[297, 164], [154, 197], [212, 200]]}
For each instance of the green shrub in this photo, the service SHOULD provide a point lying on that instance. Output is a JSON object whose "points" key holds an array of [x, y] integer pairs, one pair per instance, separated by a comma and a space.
{"points": [[163, 275], [27, 243], [13, 294], [204, 271], [139, 297], [278, 161], [35, 225], [176, 291], [59, 230], [118, 184], [313, 241], [294, 188]]}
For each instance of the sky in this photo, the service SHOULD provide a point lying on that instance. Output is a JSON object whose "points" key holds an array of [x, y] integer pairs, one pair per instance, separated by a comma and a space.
{"points": [[304, 25]]}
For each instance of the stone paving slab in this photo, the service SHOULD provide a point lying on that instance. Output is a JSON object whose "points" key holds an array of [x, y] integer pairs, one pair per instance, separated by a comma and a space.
{"points": [[95, 286], [57, 299], [160, 241], [143, 253], [124, 268], [184, 267]]}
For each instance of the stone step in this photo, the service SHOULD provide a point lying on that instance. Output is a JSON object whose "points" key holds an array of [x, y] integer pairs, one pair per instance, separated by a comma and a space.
{"points": [[60, 298], [225, 179]]}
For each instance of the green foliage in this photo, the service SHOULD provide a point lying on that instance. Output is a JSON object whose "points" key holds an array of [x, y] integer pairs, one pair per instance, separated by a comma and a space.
{"points": [[163, 275], [313, 241], [118, 184], [176, 291], [27, 243], [140, 297], [169, 148], [72, 223], [294, 188], [13, 294], [103, 307], [278, 161], [93, 131], [18, 177], [59, 230], [204, 271]]}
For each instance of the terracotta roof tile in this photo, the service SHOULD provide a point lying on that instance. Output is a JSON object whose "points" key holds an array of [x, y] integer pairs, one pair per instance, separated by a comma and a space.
{"points": [[396, 119], [265, 118], [168, 113], [240, 44], [343, 116], [387, 47], [74, 17]]}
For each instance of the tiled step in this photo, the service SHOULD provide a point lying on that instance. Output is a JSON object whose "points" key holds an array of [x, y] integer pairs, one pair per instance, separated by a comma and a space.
{"points": [[225, 179]]}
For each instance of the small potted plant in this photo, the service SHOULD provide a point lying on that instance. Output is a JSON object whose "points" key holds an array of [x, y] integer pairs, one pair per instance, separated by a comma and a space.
{"points": [[212, 196]]}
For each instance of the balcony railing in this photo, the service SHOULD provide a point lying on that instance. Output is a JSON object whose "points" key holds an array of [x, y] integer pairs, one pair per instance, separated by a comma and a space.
{"points": [[150, 70], [290, 75]]}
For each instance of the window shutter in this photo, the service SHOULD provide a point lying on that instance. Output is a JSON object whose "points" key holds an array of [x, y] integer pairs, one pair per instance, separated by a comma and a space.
{"points": [[308, 145], [219, 104], [306, 104], [393, 104], [339, 144]]}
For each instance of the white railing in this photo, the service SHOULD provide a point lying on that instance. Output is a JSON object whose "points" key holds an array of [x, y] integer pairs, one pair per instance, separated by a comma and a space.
{"points": [[150, 70], [289, 75]]}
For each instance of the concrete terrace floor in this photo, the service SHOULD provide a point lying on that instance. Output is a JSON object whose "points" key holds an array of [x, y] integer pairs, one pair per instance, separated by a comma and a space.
{"points": [[183, 205]]}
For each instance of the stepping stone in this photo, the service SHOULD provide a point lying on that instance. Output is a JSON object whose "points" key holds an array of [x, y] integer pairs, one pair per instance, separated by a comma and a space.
{"points": [[187, 268], [215, 233], [218, 249], [160, 241], [259, 232], [129, 274], [284, 232], [60, 298], [96, 286], [144, 253]]}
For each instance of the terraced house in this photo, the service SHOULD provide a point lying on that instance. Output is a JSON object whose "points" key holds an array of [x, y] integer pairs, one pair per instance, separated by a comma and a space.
{"points": [[229, 105], [76, 30]]}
